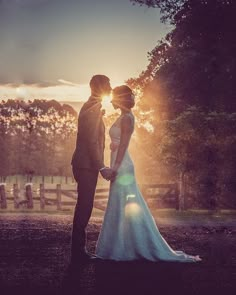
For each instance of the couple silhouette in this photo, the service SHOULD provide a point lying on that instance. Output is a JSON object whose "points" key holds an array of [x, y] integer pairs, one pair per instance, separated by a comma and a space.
{"points": [[129, 232]]}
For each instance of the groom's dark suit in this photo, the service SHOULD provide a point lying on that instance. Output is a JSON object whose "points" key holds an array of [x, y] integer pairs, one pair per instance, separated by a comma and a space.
{"points": [[87, 159]]}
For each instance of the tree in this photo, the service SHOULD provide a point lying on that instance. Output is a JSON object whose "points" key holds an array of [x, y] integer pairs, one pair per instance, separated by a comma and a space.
{"points": [[35, 137], [198, 147], [193, 67], [195, 64]]}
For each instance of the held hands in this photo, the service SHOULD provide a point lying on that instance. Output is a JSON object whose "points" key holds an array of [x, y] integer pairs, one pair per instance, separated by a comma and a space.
{"points": [[108, 173], [114, 174]]}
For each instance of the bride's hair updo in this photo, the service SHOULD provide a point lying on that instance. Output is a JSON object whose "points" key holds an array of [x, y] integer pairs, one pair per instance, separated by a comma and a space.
{"points": [[123, 97]]}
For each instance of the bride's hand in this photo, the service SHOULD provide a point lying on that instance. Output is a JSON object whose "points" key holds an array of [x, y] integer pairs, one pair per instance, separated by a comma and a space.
{"points": [[113, 177]]}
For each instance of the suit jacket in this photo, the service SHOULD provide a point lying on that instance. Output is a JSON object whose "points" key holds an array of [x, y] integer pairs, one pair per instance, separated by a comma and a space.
{"points": [[90, 142]]}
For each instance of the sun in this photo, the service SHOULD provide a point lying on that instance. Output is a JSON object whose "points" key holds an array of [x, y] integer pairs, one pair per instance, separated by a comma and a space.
{"points": [[106, 104], [106, 101], [21, 93]]}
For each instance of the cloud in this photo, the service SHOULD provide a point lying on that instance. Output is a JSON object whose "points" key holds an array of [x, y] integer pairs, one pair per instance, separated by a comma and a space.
{"points": [[37, 91], [9, 3], [44, 84], [67, 82], [39, 84]]}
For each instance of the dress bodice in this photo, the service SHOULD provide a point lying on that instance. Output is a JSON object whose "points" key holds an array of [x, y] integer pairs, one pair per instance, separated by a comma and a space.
{"points": [[115, 130]]}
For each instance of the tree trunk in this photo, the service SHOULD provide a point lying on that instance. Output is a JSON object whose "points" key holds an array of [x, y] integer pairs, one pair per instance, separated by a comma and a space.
{"points": [[58, 197], [3, 199], [42, 196]]}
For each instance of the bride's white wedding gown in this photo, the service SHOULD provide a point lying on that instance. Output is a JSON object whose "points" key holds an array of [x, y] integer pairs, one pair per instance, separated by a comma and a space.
{"points": [[129, 231]]}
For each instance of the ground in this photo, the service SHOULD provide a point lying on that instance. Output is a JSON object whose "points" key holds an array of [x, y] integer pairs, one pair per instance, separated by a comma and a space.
{"points": [[35, 253]]}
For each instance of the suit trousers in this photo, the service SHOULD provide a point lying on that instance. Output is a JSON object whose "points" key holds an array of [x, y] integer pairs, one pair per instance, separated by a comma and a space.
{"points": [[87, 181]]}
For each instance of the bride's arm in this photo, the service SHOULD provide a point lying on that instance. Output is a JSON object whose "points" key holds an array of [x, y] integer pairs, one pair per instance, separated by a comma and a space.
{"points": [[126, 131]]}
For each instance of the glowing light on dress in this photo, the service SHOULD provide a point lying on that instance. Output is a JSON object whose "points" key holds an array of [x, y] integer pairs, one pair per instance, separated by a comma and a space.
{"points": [[130, 197], [132, 209], [125, 179]]}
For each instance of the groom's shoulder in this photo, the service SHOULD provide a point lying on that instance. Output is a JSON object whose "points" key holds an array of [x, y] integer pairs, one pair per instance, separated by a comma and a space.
{"points": [[89, 108], [84, 108]]}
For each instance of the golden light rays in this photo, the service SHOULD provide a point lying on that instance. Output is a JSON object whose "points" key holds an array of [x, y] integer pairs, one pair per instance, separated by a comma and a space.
{"points": [[106, 105], [106, 101]]}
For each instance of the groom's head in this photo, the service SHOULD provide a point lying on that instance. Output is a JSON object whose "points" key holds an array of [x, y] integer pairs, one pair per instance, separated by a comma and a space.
{"points": [[100, 85]]}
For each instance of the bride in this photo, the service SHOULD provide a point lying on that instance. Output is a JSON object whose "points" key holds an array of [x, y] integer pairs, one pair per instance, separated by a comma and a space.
{"points": [[129, 231]]}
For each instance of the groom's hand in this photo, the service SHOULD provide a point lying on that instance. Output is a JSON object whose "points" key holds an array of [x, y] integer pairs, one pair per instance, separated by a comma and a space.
{"points": [[106, 173]]}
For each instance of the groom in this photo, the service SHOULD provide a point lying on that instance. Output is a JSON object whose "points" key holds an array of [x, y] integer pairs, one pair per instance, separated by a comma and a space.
{"points": [[87, 162]]}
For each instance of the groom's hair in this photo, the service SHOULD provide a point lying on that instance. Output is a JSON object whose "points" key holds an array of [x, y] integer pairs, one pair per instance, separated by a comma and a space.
{"points": [[97, 82]]}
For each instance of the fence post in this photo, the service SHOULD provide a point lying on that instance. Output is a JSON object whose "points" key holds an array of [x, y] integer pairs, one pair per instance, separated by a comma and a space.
{"points": [[3, 199], [29, 195], [16, 195], [42, 196], [58, 197]]}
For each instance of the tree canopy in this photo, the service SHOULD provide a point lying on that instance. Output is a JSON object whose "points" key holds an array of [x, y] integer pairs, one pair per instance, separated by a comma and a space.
{"points": [[195, 64], [36, 137], [188, 93]]}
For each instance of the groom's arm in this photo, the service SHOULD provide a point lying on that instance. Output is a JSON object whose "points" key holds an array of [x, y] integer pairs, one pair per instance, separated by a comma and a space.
{"points": [[95, 137]]}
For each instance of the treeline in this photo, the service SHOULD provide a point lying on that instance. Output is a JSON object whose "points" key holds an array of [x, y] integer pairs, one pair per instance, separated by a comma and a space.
{"points": [[195, 64], [196, 149], [188, 93], [36, 138]]}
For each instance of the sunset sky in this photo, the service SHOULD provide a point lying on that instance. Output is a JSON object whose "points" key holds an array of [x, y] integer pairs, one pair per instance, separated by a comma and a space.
{"points": [[48, 44]]}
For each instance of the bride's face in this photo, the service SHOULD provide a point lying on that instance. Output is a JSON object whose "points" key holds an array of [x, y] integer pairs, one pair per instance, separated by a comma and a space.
{"points": [[114, 104]]}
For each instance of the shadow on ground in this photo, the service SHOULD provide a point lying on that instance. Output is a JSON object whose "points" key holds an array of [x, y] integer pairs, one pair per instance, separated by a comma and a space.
{"points": [[35, 253], [147, 278], [127, 278]]}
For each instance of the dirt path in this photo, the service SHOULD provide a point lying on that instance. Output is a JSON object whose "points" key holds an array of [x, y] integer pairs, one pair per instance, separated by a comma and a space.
{"points": [[34, 256]]}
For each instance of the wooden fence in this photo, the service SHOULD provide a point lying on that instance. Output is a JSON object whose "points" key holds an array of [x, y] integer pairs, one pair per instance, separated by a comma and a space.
{"points": [[156, 195]]}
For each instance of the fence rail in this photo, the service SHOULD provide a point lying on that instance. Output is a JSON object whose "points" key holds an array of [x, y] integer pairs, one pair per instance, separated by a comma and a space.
{"points": [[158, 195]]}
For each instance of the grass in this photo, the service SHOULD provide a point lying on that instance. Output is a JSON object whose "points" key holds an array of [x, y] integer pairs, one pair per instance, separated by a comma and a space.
{"points": [[198, 216]]}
